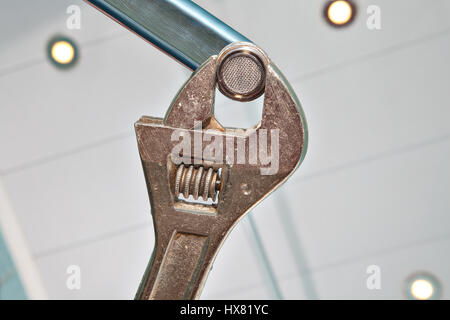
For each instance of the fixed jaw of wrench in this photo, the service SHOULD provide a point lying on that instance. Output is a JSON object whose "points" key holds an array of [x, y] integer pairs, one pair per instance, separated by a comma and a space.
{"points": [[180, 167]]}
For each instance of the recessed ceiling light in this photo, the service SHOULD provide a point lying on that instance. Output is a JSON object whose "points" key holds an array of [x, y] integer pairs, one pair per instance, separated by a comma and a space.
{"points": [[422, 287], [339, 12], [62, 52]]}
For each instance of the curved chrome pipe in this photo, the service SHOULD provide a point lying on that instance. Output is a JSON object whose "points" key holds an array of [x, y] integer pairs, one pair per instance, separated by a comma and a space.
{"points": [[180, 28]]}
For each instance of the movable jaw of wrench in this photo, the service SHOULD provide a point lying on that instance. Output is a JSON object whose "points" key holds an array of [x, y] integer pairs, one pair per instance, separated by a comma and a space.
{"points": [[188, 155]]}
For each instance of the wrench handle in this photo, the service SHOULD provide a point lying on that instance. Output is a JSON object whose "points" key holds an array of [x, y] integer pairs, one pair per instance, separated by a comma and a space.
{"points": [[177, 270]]}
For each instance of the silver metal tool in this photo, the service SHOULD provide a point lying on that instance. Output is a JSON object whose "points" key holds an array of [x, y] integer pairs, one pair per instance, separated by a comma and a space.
{"points": [[196, 196]]}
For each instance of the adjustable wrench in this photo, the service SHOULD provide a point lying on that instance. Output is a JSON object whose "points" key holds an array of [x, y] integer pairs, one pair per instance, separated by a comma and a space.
{"points": [[189, 232]]}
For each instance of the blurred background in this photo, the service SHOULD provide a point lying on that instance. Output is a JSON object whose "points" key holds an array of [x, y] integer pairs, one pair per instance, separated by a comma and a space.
{"points": [[366, 216]]}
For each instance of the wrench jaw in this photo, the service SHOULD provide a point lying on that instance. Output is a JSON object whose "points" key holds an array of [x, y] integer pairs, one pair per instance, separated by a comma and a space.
{"points": [[282, 111], [189, 235], [195, 100]]}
